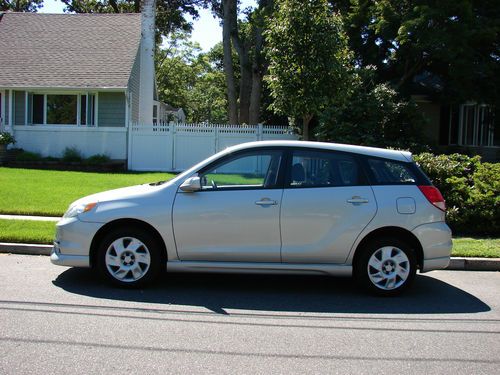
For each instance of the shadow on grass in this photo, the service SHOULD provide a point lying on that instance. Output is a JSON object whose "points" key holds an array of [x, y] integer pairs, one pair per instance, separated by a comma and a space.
{"points": [[308, 294]]}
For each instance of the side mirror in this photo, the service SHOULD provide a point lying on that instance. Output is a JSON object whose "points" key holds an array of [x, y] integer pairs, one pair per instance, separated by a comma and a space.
{"points": [[191, 185]]}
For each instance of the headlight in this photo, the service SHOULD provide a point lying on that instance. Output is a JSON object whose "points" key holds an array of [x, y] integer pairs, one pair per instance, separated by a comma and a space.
{"points": [[78, 209]]}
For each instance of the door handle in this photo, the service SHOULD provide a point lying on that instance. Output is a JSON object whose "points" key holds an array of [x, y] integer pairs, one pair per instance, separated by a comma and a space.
{"points": [[266, 202], [357, 200]]}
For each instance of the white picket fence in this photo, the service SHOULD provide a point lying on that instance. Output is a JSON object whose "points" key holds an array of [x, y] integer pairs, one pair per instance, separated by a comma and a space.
{"points": [[176, 147]]}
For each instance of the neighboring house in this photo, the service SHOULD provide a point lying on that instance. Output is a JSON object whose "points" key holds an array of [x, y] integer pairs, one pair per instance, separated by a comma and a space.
{"points": [[165, 113], [466, 128], [76, 80]]}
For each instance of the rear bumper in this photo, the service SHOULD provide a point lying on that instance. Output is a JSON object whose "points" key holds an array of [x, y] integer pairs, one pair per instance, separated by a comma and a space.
{"points": [[435, 239]]}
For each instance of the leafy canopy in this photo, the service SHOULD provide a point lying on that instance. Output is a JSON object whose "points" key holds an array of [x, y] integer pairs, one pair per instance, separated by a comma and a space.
{"points": [[21, 5], [308, 56]]}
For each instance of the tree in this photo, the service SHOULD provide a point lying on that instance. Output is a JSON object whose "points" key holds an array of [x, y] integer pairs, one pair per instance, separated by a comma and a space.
{"points": [[373, 114], [192, 80], [169, 13], [453, 41], [21, 5], [246, 38], [308, 55]]}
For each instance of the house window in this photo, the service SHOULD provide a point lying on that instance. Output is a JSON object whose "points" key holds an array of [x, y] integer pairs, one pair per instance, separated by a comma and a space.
{"points": [[38, 109], [472, 125], [62, 109]]}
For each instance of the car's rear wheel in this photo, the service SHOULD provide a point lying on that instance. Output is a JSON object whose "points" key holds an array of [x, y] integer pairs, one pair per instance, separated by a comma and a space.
{"points": [[129, 257], [387, 266]]}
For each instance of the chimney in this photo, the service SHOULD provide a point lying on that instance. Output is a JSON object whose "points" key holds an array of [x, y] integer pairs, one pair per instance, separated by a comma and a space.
{"points": [[147, 75]]}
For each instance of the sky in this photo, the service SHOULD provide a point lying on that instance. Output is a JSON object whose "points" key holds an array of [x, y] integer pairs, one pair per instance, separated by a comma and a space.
{"points": [[207, 31]]}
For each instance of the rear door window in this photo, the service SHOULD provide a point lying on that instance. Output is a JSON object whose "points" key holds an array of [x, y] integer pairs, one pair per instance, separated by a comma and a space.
{"points": [[391, 172], [322, 169]]}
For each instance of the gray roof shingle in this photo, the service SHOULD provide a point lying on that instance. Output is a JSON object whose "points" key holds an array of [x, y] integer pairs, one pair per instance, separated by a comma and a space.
{"points": [[68, 50]]}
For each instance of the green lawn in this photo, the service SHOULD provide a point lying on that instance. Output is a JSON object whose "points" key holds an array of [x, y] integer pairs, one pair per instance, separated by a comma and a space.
{"points": [[27, 231], [42, 232], [48, 193], [476, 247]]}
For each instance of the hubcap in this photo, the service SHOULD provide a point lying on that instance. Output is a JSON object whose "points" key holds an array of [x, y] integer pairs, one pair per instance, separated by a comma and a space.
{"points": [[388, 268], [127, 259]]}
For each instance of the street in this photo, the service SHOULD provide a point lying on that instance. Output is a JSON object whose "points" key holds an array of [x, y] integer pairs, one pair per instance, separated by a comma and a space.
{"points": [[57, 320]]}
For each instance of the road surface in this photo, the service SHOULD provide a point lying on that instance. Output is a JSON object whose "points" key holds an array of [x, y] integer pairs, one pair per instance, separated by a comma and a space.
{"points": [[56, 320]]}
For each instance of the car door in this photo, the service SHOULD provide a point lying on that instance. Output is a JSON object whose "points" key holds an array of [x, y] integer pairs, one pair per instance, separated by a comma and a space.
{"points": [[235, 215], [326, 204]]}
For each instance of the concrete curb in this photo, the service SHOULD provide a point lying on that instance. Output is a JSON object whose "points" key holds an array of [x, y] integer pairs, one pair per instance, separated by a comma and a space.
{"points": [[456, 264], [25, 248]]}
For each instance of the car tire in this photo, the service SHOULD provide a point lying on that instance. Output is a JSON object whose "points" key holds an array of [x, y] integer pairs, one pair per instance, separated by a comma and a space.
{"points": [[129, 257], [386, 266]]}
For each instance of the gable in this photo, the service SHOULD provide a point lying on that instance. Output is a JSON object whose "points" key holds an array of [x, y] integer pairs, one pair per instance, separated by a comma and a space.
{"points": [[68, 50]]}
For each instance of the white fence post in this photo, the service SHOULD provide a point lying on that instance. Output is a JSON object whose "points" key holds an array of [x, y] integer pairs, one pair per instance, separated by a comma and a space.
{"points": [[174, 132]]}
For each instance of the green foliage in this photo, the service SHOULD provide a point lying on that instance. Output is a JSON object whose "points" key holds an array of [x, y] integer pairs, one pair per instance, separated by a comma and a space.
{"points": [[455, 41], [20, 5], [170, 15], [6, 138], [373, 114], [28, 156], [71, 154], [192, 80], [97, 159], [471, 190], [308, 56]]}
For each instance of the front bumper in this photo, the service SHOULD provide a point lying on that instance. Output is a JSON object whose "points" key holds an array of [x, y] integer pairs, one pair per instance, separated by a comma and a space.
{"points": [[72, 244], [68, 260], [435, 239]]}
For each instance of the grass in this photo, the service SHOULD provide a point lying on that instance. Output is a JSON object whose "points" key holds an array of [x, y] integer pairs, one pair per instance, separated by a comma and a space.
{"points": [[476, 247], [42, 232], [27, 231], [48, 193]]}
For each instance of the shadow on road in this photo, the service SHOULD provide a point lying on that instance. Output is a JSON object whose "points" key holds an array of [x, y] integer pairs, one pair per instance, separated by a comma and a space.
{"points": [[310, 294]]}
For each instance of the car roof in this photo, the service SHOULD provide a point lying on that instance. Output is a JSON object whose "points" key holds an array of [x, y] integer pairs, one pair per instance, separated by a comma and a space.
{"points": [[363, 150]]}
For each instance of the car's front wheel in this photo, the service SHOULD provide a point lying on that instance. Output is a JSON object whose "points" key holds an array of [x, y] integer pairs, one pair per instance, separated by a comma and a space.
{"points": [[386, 266], [129, 257]]}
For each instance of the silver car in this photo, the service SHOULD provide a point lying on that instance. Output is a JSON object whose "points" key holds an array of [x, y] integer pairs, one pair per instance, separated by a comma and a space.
{"points": [[268, 207]]}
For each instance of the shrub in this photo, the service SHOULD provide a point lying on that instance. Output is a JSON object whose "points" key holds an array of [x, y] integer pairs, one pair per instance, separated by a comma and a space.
{"points": [[28, 156], [471, 190], [97, 159], [6, 138], [371, 114], [72, 154]]}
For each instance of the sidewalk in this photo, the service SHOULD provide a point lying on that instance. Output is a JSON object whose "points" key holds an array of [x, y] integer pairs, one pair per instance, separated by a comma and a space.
{"points": [[34, 218], [456, 264]]}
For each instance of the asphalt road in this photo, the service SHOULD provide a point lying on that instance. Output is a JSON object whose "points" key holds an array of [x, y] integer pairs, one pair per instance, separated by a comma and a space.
{"points": [[57, 320]]}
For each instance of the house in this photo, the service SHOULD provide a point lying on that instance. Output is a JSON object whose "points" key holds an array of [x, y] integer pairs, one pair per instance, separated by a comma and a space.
{"points": [[467, 128], [165, 113], [77, 80]]}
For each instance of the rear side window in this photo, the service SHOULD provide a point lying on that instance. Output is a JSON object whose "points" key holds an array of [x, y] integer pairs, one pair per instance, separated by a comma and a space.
{"points": [[391, 172], [321, 169]]}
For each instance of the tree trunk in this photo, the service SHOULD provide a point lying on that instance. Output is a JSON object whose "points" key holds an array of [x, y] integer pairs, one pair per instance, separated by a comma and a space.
{"points": [[245, 87], [255, 97], [228, 8], [258, 69], [306, 119]]}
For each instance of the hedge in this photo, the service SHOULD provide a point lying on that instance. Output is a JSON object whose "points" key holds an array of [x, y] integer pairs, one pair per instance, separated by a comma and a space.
{"points": [[471, 190]]}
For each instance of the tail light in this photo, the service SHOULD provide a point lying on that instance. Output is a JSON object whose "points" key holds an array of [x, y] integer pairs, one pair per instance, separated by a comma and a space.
{"points": [[434, 196]]}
